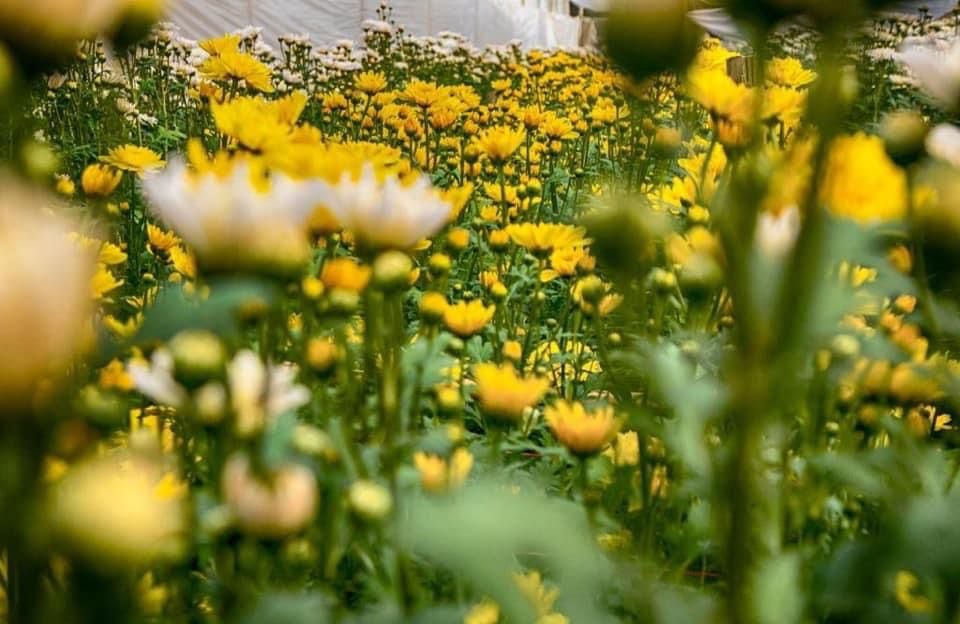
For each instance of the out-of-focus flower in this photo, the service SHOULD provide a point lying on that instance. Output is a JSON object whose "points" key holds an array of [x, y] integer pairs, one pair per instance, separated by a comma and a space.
{"points": [[120, 512], [937, 73], [943, 142], [44, 293], [505, 395], [345, 273], [583, 432], [486, 612], [388, 214], [51, 27], [236, 221], [259, 393], [861, 182], [438, 475], [274, 508], [905, 591], [369, 500], [777, 233]]}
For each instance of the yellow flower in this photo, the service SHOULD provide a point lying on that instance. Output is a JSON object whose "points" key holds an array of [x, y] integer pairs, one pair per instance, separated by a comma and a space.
{"points": [[557, 128], [433, 306], [65, 186], [905, 586], [183, 262], [457, 197], [133, 158], [532, 587], [345, 274], [505, 395], [421, 93], [103, 282], [438, 475], [236, 65], [499, 143], [583, 432], [466, 319], [111, 254], [161, 240], [625, 449], [218, 45], [486, 612], [861, 182], [118, 514], [789, 72], [370, 82], [122, 329], [542, 238], [100, 180], [115, 376], [253, 122]]}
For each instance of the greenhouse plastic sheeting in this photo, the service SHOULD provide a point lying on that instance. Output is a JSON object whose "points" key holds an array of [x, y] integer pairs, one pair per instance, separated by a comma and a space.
{"points": [[484, 22]]}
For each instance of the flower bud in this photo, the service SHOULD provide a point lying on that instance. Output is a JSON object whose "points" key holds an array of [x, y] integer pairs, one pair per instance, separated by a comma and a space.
{"points": [[391, 270], [198, 357], [432, 307], [323, 354], [458, 240], [667, 142], [370, 501], [210, 403], [904, 134], [343, 301], [439, 264]]}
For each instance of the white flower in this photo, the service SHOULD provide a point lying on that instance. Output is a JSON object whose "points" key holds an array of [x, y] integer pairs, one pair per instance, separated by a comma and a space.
{"points": [[943, 142], [388, 214], [155, 381], [936, 72], [259, 393], [231, 222], [777, 234]]}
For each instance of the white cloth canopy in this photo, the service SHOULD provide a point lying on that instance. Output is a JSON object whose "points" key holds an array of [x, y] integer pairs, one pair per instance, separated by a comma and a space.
{"points": [[483, 22]]}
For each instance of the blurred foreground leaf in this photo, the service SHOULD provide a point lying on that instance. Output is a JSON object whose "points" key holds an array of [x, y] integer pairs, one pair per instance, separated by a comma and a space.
{"points": [[484, 531]]}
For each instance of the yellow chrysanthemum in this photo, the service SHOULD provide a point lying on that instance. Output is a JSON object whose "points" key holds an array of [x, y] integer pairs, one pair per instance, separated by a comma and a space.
{"points": [[861, 182], [543, 238], [100, 180], [583, 432], [235, 65], [439, 475], [133, 158], [503, 394], [466, 319], [499, 143]]}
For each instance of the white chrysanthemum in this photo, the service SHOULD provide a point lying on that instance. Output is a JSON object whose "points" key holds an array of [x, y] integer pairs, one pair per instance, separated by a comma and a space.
{"points": [[943, 142], [936, 72], [389, 214], [777, 234], [259, 393], [155, 379], [231, 222]]}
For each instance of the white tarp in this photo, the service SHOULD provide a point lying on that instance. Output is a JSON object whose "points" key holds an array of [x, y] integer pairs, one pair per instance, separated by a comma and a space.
{"points": [[483, 22]]}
